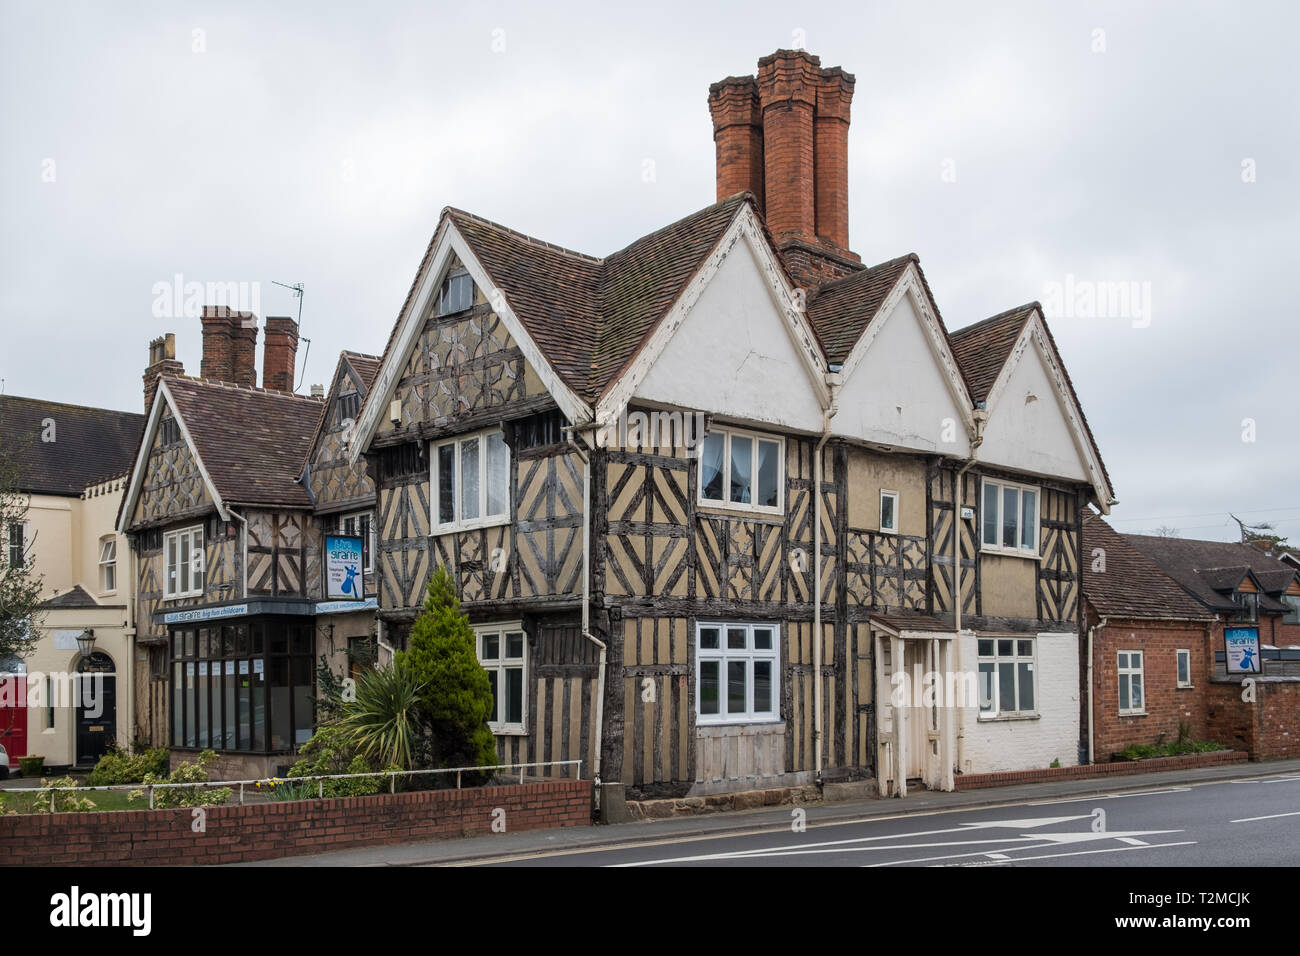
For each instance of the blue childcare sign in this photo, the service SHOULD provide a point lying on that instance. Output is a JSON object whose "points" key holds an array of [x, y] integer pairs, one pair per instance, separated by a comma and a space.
{"points": [[343, 564], [1242, 646]]}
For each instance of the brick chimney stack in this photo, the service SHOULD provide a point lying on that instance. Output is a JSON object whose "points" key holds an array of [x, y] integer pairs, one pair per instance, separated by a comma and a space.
{"points": [[279, 353], [738, 133], [229, 346], [784, 136], [162, 361]]}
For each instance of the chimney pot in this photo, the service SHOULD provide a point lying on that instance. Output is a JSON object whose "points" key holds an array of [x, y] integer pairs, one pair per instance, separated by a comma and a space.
{"points": [[162, 361]]}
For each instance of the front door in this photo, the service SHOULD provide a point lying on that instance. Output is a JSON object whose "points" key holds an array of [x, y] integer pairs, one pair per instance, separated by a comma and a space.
{"points": [[96, 708]]}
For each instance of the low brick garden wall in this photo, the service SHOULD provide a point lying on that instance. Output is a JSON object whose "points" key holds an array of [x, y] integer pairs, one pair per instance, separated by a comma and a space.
{"points": [[976, 781], [236, 834]]}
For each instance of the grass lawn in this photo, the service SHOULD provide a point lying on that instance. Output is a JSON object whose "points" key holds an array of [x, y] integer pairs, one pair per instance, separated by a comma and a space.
{"points": [[104, 800]]}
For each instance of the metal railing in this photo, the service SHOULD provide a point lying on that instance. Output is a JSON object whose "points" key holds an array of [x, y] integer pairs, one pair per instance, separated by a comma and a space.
{"points": [[276, 781]]}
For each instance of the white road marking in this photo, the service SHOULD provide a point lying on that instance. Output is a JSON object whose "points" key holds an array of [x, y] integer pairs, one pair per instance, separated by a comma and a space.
{"points": [[1271, 816], [1113, 849]]}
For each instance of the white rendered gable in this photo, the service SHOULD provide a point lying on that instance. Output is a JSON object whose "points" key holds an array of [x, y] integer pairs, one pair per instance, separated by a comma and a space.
{"points": [[901, 387], [736, 353]]}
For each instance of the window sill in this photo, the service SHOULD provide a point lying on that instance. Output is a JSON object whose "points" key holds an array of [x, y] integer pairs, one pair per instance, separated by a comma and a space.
{"points": [[994, 718], [1185, 687], [183, 597], [1133, 713], [442, 529], [508, 730], [738, 511], [703, 723], [1011, 553]]}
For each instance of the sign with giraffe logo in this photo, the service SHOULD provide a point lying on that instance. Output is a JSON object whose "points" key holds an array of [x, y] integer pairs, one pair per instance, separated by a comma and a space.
{"points": [[343, 563]]}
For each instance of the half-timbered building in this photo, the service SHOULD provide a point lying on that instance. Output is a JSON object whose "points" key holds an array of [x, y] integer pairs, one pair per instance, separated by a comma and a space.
{"points": [[708, 500], [232, 490]]}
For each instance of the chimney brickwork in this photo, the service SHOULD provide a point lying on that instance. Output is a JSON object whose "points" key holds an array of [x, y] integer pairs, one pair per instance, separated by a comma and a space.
{"points": [[162, 361], [229, 346], [279, 353]]}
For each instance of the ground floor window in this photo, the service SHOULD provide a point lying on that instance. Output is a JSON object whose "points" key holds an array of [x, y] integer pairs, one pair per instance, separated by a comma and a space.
{"points": [[1131, 700], [1006, 676], [1184, 667], [737, 668], [249, 685], [502, 650]]}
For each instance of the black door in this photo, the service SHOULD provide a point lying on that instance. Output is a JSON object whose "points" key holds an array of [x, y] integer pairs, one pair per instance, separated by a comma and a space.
{"points": [[96, 708]]}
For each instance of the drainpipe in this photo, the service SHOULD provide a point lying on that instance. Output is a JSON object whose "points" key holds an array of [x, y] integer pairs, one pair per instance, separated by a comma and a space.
{"points": [[1100, 625], [981, 419], [243, 539], [599, 703], [833, 383]]}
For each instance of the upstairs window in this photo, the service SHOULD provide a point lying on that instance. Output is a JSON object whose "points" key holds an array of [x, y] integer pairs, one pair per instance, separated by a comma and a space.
{"points": [[361, 525], [1248, 601], [889, 511], [742, 471], [1292, 616], [347, 407], [1010, 518], [456, 295], [108, 564], [169, 431], [471, 481], [16, 544], [183, 563]]}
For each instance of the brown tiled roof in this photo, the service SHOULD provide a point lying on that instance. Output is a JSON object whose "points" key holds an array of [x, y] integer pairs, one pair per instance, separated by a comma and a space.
{"points": [[251, 441], [76, 597], [982, 349], [89, 443], [1186, 561], [1132, 585], [367, 368], [1224, 579], [840, 311]]}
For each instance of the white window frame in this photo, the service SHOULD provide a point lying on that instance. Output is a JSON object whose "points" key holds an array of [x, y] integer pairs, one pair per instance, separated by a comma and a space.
{"points": [[1002, 486], [730, 434], [1131, 671], [357, 516], [724, 655], [484, 520], [1179, 654], [1015, 658], [884, 493], [25, 544], [500, 664], [199, 574], [107, 566]]}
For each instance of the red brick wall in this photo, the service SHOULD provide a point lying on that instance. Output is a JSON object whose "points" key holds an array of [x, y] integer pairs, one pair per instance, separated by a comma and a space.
{"points": [[1167, 704], [268, 831], [1268, 727], [787, 89]]}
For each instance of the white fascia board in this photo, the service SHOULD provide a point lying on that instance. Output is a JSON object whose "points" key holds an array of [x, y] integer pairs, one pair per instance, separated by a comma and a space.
{"points": [[449, 240], [161, 396], [1035, 334], [745, 226], [909, 283]]}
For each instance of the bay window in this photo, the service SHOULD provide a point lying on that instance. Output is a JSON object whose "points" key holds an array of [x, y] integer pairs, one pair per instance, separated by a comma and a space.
{"points": [[471, 481], [737, 672], [183, 563], [741, 470], [1009, 518], [502, 650]]}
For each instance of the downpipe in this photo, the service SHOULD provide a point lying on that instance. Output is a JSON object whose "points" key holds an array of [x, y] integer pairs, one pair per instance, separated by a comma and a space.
{"points": [[981, 417], [586, 616]]}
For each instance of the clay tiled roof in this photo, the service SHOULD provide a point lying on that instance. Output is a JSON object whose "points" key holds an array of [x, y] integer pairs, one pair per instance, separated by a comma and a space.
{"points": [[367, 366], [76, 597], [251, 441], [89, 443], [982, 349], [590, 316], [1199, 565], [840, 311], [1132, 585]]}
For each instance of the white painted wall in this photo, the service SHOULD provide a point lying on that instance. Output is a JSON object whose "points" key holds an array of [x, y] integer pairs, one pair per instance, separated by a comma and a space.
{"points": [[732, 354], [1027, 430], [1028, 743], [898, 394]]}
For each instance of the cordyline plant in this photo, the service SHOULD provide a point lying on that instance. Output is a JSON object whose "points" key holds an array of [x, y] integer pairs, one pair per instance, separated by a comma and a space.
{"points": [[383, 722]]}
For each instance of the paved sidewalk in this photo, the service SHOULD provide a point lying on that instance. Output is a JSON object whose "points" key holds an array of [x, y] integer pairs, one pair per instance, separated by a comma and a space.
{"points": [[917, 802]]}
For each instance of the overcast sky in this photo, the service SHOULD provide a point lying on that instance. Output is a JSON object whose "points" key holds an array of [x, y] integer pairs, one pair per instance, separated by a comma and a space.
{"points": [[1010, 148]]}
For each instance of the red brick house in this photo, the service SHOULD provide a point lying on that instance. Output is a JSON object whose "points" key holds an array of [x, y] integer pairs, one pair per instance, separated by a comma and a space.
{"points": [[1155, 610]]}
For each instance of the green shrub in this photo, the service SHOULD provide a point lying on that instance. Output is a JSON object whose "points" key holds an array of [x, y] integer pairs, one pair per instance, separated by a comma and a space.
{"points": [[49, 800], [383, 725], [31, 766], [118, 766], [455, 692], [330, 751], [187, 772]]}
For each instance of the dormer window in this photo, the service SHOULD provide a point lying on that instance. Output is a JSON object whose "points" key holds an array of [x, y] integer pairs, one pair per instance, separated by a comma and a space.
{"points": [[1249, 604], [457, 293]]}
